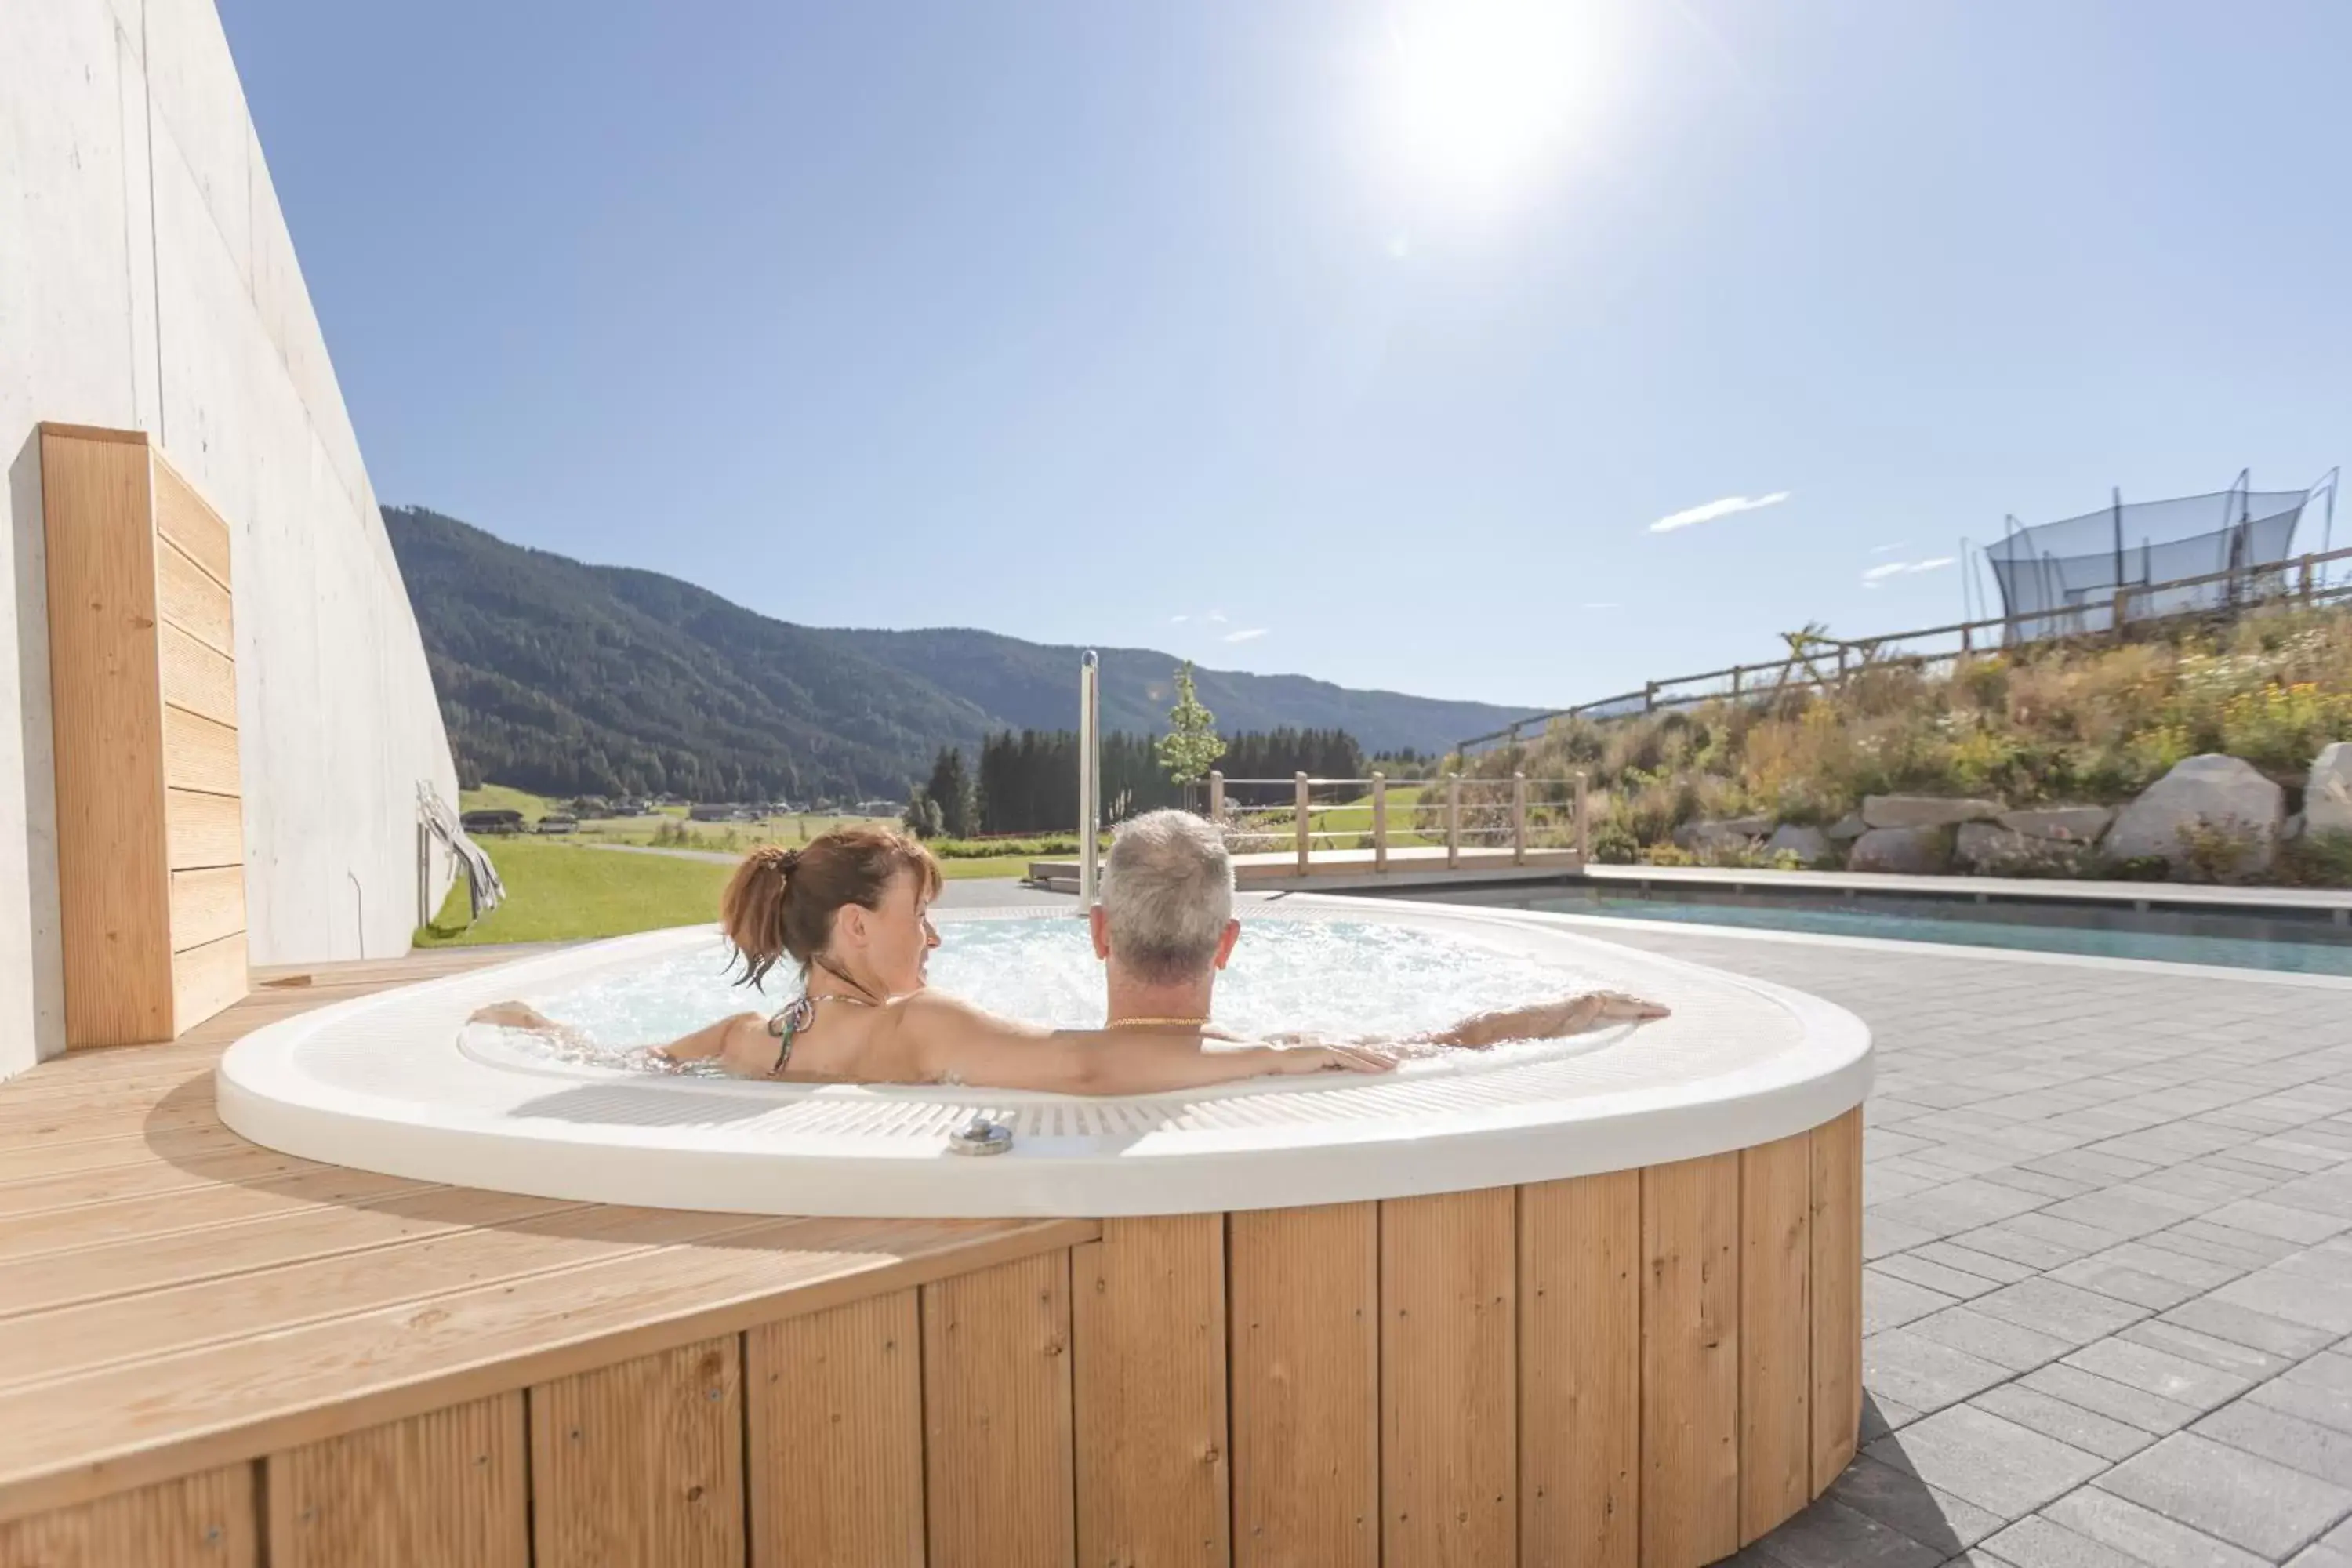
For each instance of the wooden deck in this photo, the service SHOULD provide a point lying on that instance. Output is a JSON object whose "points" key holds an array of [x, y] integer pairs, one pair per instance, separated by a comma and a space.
{"points": [[214, 1355], [179, 1307]]}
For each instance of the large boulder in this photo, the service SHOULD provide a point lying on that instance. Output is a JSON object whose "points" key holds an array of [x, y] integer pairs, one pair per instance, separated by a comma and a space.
{"points": [[2327, 792], [1809, 845], [1992, 849], [1848, 828], [2218, 807], [2067, 824], [1730, 832], [1912, 851], [1924, 811]]}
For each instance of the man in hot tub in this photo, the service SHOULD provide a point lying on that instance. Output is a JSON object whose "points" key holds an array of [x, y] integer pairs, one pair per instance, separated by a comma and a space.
{"points": [[851, 909]]}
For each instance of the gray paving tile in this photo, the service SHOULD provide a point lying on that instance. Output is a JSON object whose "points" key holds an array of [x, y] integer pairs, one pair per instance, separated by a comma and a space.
{"points": [[1881, 1236], [1957, 1205], [1997, 1340], [2228, 1356], [2241, 1498], [2318, 1555], [2245, 1326], [1914, 1270], [2148, 1411], [1902, 1502], [2014, 1246], [1968, 1260], [2158, 1371], [1982, 1458], [2101, 1273], [1888, 1302], [1881, 1415], [2124, 1213], [2246, 1243], [2318, 1390], [2035, 1541], [1914, 1369], [2070, 1424], [2064, 1311], [2042, 1182], [2282, 1293], [2290, 1440], [1829, 1534], [2284, 1221], [2142, 1534]]}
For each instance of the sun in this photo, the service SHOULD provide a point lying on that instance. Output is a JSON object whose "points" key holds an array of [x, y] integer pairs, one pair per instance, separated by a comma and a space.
{"points": [[1481, 96]]}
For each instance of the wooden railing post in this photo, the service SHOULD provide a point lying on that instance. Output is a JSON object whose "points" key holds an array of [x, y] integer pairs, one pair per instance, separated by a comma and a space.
{"points": [[1380, 822], [2306, 577], [1583, 825], [1519, 819], [1649, 696], [1306, 839], [1216, 797], [1453, 821], [2122, 612]]}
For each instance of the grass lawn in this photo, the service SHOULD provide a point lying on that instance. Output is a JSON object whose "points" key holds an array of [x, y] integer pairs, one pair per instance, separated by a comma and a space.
{"points": [[558, 892]]}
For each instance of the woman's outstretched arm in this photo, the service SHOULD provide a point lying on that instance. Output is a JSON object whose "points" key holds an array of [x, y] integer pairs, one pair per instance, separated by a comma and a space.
{"points": [[942, 1039], [709, 1041]]}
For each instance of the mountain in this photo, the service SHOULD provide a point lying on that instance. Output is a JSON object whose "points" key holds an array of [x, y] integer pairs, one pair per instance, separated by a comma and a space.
{"points": [[565, 677]]}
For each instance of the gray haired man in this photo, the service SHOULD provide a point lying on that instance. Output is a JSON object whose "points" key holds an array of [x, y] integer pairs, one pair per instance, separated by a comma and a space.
{"points": [[1166, 926]]}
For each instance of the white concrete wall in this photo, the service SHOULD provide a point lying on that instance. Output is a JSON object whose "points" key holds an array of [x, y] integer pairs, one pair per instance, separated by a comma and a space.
{"points": [[147, 280]]}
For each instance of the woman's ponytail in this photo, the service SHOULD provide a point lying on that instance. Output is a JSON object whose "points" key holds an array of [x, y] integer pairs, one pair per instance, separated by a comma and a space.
{"points": [[753, 908]]}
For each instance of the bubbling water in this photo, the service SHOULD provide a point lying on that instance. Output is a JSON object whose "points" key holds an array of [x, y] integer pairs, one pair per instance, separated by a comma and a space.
{"points": [[1336, 978]]}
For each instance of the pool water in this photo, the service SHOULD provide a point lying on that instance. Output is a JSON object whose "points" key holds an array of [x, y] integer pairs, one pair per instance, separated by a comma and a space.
{"points": [[1335, 977], [2305, 946]]}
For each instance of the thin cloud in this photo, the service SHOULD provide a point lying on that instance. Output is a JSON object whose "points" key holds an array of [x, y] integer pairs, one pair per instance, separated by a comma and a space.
{"points": [[1873, 577], [1730, 506], [1218, 616], [1890, 549], [1178, 620], [1252, 635]]}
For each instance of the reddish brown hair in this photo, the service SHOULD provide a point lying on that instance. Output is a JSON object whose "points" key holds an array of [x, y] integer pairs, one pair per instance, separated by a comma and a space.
{"points": [[780, 902]]}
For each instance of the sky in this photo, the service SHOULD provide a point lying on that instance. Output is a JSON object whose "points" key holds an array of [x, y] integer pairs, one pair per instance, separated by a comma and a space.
{"points": [[1488, 349]]}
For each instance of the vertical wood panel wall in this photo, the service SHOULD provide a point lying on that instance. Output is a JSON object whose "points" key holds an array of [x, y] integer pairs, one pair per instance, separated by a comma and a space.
{"points": [[143, 678], [1646, 1367]]}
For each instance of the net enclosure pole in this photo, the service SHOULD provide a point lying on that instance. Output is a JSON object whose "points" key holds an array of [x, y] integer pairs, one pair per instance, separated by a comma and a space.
{"points": [[1090, 780]]}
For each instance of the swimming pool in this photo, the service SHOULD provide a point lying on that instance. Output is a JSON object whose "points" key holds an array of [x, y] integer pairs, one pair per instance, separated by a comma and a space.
{"points": [[2303, 945]]}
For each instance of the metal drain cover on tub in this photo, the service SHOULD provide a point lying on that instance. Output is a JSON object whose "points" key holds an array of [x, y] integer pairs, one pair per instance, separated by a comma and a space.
{"points": [[981, 1136]]}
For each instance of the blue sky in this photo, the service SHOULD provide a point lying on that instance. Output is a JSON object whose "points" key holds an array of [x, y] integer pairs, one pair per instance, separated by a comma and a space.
{"points": [[1382, 331]]}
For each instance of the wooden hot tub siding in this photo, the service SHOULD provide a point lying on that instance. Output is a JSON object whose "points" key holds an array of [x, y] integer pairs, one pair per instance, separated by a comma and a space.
{"points": [[1648, 1367]]}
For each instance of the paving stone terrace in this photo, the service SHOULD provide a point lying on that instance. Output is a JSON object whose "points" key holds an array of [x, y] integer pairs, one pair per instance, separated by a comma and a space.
{"points": [[2108, 1302]]}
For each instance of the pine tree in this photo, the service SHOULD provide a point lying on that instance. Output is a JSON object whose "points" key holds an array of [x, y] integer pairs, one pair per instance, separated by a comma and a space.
{"points": [[1191, 747]]}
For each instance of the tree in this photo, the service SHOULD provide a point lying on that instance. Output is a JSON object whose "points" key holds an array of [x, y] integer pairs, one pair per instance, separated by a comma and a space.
{"points": [[1191, 747], [952, 791], [923, 814]]}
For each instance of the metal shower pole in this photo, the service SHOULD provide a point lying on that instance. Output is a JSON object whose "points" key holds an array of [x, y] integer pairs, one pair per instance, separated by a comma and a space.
{"points": [[1089, 778]]}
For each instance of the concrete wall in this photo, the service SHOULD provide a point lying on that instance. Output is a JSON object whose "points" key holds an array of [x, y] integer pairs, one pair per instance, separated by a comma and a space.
{"points": [[147, 280]]}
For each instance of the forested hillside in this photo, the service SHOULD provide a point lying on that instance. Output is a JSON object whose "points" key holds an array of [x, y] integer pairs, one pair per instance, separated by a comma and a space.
{"points": [[566, 678]]}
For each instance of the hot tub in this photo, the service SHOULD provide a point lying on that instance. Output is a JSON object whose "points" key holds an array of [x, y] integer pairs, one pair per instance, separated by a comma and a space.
{"points": [[398, 1082], [1592, 1301]]}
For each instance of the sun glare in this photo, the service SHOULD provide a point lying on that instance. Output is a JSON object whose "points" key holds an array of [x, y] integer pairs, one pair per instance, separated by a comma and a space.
{"points": [[1483, 94]]}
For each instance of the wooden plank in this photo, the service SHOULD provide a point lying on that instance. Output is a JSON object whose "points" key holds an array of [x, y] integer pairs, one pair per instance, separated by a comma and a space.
{"points": [[92, 1274], [198, 755], [996, 1415], [189, 599], [208, 979], [147, 1180], [1148, 1326], [107, 717], [1690, 1362], [1837, 1294], [446, 1490], [182, 517], [1305, 1286], [206, 906], [197, 678], [202, 829], [1775, 1328], [834, 1408], [1579, 1370], [93, 433], [195, 1208], [131, 1424], [204, 1520], [28, 1160], [1449, 1383], [49, 1347], [641, 1462]]}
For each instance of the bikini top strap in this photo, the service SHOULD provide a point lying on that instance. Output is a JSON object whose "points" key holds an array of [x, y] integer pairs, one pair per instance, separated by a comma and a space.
{"points": [[790, 1020]]}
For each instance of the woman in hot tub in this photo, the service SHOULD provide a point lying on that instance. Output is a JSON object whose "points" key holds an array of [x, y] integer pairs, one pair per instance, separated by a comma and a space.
{"points": [[851, 909]]}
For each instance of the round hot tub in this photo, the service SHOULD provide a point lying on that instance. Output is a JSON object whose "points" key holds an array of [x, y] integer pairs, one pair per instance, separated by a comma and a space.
{"points": [[1596, 1300], [400, 1083]]}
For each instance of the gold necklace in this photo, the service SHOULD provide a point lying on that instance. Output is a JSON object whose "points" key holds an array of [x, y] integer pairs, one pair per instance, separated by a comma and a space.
{"points": [[1155, 1023]]}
